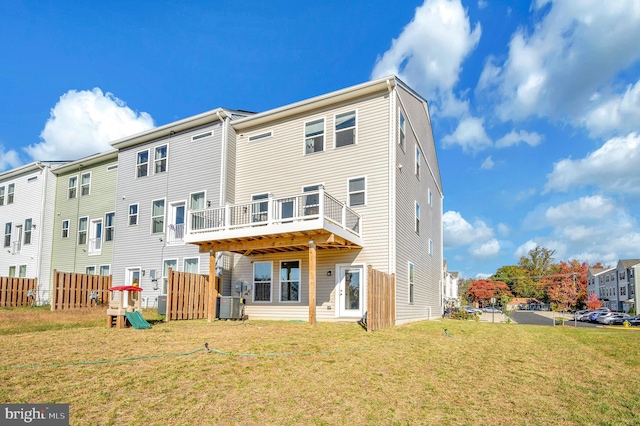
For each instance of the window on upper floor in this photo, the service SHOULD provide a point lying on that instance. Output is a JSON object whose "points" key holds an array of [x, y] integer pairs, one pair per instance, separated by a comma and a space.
{"points": [[7, 234], [417, 167], [157, 216], [83, 223], [1, 195], [142, 163], [72, 190], [417, 219], [261, 136], [133, 214], [430, 246], [28, 225], [160, 159], [411, 283], [314, 136], [630, 273], [345, 133], [403, 132], [311, 202], [430, 196], [109, 226], [201, 136], [622, 275], [357, 191], [85, 184], [65, 228], [10, 192]]}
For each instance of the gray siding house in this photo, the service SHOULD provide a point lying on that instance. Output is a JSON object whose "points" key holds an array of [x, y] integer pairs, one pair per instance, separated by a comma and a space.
{"points": [[162, 173], [323, 189]]}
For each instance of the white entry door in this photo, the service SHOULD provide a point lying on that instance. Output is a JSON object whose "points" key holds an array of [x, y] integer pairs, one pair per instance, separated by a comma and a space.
{"points": [[351, 290]]}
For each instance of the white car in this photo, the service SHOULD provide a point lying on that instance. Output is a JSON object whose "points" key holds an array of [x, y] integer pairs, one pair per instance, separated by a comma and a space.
{"points": [[609, 319]]}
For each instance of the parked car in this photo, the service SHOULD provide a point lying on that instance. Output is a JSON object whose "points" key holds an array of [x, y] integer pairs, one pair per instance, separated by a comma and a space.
{"points": [[594, 316], [615, 319], [634, 321], [604, 316], [491, 309], [472, 311]]}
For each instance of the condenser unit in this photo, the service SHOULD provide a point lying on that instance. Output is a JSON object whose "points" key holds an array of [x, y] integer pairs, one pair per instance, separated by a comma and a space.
{"points": [[230, 307]]}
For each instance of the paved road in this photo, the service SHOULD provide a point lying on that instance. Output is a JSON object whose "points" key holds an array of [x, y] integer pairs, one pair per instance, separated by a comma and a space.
{"points": [[532, 317]]}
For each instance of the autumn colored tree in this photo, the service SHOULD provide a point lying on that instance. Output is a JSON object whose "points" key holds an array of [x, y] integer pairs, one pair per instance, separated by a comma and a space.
{"points": [[482, 291], [593, 303], [561, 286]]}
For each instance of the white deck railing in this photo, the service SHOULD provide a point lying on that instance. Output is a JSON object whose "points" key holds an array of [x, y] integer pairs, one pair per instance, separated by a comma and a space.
{"points": [[175, 233], [275, 211]]}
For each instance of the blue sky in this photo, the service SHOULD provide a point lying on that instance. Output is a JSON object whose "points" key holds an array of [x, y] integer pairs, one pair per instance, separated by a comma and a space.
{"points": [[535, 106]]}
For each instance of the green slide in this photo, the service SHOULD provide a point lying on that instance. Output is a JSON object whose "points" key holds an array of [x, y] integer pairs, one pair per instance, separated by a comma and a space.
{"points": [[136, 320]]}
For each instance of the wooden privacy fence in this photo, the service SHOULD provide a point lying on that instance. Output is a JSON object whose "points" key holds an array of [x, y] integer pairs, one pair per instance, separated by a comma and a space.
{"points": [[72, 290], [14, 292], [381, 299], [188, 295]]}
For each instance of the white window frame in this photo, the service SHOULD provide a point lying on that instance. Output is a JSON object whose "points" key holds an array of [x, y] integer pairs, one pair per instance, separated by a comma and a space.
{"points": [[85, 231], [402, 125], [253, 278], [417, 162], [184, 264], [11, 189], [163, 216], [203, 135], [204, 198], [28, 227], [127, 275], [165, 275], [260, 136], [136, 214], [411, 280], [82, 186], [430, 196], [101, 267], [161, 159], [86, 269], [68, 223], [324, 136], [139, 164], [258, 201], [74, 188], [430, 246], [354, 127], [112, 228], [8, 229], [308, 208], [22, 271], [349, 192], [416, 227], [12, 271], [281, 281], [2, 189]]}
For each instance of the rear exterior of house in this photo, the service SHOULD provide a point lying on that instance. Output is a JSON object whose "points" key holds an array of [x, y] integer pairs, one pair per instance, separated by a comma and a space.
{"points": [[26, 211], [162, 173], [84, 221], [626, 274], [325, 188]]}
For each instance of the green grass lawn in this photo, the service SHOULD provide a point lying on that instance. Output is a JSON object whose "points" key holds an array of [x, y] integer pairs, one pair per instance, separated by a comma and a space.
{"points": [[281, 373]]}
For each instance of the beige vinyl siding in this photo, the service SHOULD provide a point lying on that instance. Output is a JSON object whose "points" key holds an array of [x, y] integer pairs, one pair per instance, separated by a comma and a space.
{"points": [[67, 255], [411, 247], [231, 165]]}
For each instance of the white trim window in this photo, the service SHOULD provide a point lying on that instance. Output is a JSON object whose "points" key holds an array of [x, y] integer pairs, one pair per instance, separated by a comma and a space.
{"points": [[10, 191], [22, 271], [190, 265], [430, 196], [12, 271], [345, 129], [357, 191], [261, 136], [65, 228], [314, 136], [417, 221], [403, 132], [28, 225], [417, 167], [105, 270], [90, 270], [85, 184], [166, 265], [160, 159], [133, 214], [1, 195], [262, 278], [7, 234], [142, 163], [72, 190], [197, 201], [290, 281], [410, 289], [157, 216], [430, 246], [109, 226], [83, 225]]}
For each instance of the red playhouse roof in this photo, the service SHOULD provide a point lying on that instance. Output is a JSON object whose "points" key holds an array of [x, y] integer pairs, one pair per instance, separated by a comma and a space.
{"points": [[125, 288]]}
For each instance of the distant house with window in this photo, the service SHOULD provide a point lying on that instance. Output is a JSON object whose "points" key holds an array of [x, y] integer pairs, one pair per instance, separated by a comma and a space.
{"points": [[162, 173], [84, 221], [323, 189], [26, 213], [626, 272]]}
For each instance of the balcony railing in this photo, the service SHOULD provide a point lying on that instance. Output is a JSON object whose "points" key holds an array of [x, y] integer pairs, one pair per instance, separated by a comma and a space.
{"points": [[95, 245], [175, 234], [298, 208], [16, 247]]}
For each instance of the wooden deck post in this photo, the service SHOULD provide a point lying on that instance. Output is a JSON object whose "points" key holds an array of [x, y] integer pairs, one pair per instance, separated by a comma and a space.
{"points": [[213, 290], [312, 283]]}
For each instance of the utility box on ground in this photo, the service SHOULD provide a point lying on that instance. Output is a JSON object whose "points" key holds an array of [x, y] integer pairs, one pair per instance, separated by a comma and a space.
{"points": [[162, 304], [229, 307]]}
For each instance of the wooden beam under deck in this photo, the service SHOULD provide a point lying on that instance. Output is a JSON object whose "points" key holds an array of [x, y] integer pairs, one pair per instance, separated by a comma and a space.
{"points": [[276, 243]]}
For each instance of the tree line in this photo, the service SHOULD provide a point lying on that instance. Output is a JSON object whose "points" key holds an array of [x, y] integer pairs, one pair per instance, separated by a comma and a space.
{"points": [[563, 284]]}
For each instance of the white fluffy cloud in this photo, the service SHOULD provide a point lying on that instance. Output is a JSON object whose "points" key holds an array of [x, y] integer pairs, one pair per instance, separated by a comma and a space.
{"points": [[514, 138], [487, 164], [8, 159], [613, 167], [590, 209], [458, 232], [486, 250], [84, 122], [470, 135], [429, 52], [619, 113], [569, 56]]}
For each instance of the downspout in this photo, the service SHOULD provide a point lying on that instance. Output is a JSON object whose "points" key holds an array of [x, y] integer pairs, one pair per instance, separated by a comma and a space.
{"points": [[392, 182], [41, 226], [223, 160]]}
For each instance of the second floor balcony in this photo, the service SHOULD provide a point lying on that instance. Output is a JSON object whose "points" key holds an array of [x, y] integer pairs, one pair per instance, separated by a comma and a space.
{"points": [[301, 216]]}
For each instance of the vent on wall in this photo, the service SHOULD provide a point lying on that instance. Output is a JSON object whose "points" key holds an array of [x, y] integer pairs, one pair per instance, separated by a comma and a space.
{"points": [[201, 136]]}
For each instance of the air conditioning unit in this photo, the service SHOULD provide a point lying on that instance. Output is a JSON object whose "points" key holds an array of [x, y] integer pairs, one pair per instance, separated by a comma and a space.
{"points": [[230, 307]]}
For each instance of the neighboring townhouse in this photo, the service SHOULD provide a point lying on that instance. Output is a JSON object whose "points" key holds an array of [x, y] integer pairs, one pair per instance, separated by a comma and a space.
{"points": [[26, 217], [162, 172], [84, 221], [450, 288], [593, 282], [626, 273], [608, 288], [325, 188]]}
